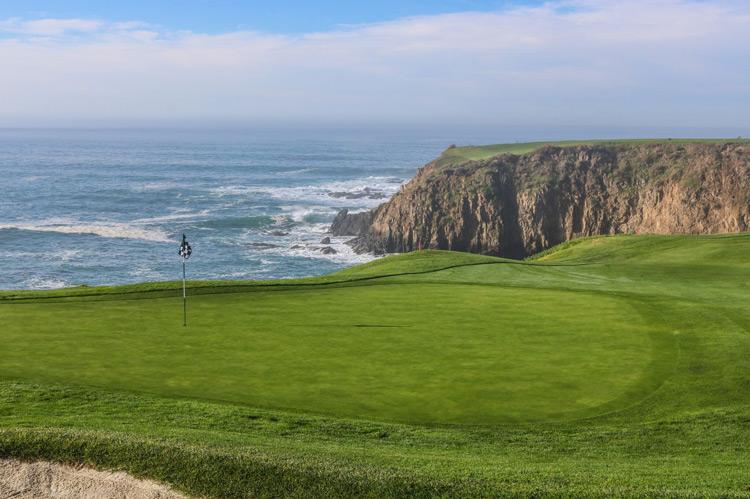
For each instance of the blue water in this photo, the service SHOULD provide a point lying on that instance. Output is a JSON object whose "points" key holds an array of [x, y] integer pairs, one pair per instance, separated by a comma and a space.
{"points": [[109, 207]]}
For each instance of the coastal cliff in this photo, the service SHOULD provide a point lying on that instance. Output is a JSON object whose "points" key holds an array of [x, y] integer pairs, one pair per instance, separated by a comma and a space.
{"points": [[515, 205]]}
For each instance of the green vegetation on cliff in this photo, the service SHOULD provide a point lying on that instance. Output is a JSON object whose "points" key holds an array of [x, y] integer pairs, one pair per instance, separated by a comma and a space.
{"points": [[456, 155], [605, 366]]}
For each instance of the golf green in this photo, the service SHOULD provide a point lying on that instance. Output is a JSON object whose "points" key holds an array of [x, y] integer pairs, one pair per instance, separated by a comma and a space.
{"points": [[428, 353]]}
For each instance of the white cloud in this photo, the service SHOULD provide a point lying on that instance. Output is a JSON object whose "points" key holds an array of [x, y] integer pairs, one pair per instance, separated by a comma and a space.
{"points": [[629, 62], [50, 27]]}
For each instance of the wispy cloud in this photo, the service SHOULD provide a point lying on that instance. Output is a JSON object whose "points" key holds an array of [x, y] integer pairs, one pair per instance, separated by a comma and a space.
{"points": [[567, 62], [50, 27]]}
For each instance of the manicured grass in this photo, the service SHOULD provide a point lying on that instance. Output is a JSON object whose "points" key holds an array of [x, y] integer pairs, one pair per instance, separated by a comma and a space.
{"points": [[606, 366], [430, 353], [472, 153]]}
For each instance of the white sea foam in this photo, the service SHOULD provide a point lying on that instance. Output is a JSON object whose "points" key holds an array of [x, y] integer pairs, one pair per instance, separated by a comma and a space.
{"points": [[102, 229], [67, 255], [235, 190], [295, 172], [308, 237], [303, 213], [176, 215], [320, 193], [157, 186], [44, 283], [64, 255], [344, 254], [144, 273], [235, 275]]}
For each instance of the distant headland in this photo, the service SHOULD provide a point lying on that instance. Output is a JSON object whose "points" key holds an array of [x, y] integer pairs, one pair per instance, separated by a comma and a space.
{"points": [[514, 200]]}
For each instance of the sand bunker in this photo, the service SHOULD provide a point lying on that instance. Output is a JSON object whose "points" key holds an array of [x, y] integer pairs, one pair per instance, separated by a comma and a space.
{"points": [[19, 480]]}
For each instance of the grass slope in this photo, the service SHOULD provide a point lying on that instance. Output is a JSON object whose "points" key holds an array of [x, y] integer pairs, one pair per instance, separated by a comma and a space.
{"points": [[606, 366], [457, 155]]}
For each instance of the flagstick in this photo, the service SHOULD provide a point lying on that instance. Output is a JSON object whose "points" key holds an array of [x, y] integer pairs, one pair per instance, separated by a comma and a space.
{"points": [[185, 252], [184, 297]]}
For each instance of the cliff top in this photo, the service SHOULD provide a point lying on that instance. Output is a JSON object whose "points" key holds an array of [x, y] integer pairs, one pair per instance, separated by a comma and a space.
{"points": [[455, 155]]}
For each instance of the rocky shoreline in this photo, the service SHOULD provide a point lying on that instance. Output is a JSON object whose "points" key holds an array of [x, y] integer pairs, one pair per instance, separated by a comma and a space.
{"points": [[517, 205]]}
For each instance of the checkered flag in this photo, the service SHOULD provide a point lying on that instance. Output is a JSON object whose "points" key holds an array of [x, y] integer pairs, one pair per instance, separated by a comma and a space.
{"points": [[185, 249]]}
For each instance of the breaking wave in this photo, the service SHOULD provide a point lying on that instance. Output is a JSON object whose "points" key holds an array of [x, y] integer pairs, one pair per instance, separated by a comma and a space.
{"points": [[380, 188], [101, 229], [44, 283], [253, 222]]}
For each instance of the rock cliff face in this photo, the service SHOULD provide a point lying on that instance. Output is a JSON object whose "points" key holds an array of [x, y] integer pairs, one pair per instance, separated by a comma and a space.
{"points": [[515, 206], [351, 224]]}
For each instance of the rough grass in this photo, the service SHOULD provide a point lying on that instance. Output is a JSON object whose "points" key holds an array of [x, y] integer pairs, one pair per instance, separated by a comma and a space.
{"points": [[607, 366], [457, 155]]}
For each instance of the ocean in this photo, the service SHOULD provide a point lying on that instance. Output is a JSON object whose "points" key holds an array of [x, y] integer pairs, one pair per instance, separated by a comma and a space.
{"points": [[100, 207]]}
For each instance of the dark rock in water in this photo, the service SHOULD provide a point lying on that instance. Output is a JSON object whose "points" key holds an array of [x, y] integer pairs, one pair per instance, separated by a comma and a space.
{"points": [[325, 240], [367, 192], [367, 243], [328, 251], [297, 246], [354, 224], [263, 246], [278, 233], [518, 205]]}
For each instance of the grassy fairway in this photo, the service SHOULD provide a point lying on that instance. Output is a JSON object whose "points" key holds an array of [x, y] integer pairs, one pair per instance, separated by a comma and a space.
{"points": [[615, 365]]}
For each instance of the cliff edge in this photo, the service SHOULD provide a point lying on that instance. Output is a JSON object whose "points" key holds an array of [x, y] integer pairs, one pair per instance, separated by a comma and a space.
{"points": [[515, 205]]}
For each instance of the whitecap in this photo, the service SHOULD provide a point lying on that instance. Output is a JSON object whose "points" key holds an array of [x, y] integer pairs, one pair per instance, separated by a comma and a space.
{"points": [[102, 229], [344, 254], [174, 216], [305, 213], [44, 283], [157, 186], [67, 255], [234, 190], [304, 241], [295, 172], [320, 193]]}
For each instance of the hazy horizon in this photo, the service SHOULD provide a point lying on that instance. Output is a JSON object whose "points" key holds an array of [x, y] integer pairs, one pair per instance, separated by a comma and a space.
{"points": [[449, 135]]}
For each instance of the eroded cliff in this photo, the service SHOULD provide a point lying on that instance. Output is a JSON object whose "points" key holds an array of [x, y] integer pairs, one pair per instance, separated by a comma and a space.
{"points": [[517, 205]]}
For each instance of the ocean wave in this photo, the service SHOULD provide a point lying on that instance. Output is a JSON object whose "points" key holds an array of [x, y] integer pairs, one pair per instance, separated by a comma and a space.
{"points": [[320, 193], [101, 229], [309, 214], [174, 216], [157, 186], [44, 283], [251, 222], [344, 254], [304, 241], [295, 172], [235, 190], [64, 255]]}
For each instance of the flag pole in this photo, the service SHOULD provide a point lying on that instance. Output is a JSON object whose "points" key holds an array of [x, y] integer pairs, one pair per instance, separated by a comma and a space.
{"points": [[184, 297], [185, 252]]}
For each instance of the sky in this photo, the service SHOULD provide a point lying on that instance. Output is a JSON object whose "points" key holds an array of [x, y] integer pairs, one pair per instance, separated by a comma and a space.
{"points": [[559, 63], [220, 16]]}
